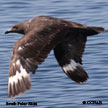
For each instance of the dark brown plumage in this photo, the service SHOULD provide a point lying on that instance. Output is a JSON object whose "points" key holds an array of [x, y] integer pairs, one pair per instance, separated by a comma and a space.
{"points": [[41, 35]]}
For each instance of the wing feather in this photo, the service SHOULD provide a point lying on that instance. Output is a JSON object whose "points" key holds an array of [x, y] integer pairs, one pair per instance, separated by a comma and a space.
{"points": [[28, 53], [69, 54]]}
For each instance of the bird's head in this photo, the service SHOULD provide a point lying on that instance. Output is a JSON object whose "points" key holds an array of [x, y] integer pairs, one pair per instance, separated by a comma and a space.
{"points": [[18, 28]]}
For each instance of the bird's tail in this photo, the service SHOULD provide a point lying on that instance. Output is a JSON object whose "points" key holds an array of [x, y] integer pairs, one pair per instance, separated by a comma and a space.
{"points": [[94, 30], [89, 31]]}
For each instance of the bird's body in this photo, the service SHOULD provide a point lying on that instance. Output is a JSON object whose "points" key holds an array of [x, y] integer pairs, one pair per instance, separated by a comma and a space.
{"points": [[41, 35]]}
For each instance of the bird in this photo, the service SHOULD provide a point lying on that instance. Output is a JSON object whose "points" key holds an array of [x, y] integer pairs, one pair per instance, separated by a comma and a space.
{"points": [[42, 34]]}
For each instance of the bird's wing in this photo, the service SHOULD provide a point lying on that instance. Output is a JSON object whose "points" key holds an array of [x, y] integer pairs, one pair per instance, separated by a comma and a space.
{"points": [[69, 53], [27, 54]]}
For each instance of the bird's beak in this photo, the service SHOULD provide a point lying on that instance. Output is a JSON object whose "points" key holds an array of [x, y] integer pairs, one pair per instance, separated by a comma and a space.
{"points": [[9, 31]]}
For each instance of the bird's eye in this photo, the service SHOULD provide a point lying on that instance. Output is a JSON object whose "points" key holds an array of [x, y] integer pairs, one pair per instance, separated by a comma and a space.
{"points": [[15, 27]]}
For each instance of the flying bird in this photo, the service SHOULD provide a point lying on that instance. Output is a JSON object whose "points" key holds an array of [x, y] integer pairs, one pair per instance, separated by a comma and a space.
{"points": [[41, 35]]}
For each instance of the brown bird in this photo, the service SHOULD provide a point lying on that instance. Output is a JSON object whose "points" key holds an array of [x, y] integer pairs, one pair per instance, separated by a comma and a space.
{"points": [[41, 35]]}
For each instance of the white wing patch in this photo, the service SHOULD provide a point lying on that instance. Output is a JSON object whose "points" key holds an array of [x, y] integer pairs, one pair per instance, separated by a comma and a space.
{"points": [[20, 48], [18, 62], [72, 66], [18, 75]]}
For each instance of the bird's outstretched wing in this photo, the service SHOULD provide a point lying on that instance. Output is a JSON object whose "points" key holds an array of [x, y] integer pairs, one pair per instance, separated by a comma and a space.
{"points": [[70, 51], [28, 53]]}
